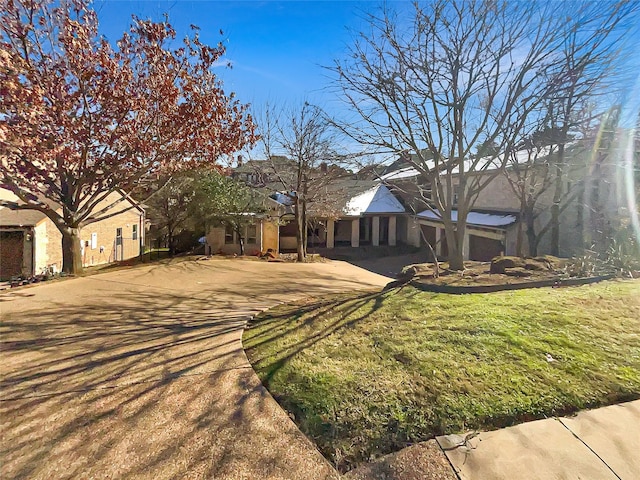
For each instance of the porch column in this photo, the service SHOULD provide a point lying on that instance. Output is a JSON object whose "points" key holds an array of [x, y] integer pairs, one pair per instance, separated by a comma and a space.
{"points": [[355, 232], [392, 231], [413, 232], [465, 247], [330, 234], [438, 241], [375, 237]]}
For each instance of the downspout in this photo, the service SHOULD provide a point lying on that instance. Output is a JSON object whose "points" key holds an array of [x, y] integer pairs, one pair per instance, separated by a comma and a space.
{"points": [[141, 219], [33, 251]]}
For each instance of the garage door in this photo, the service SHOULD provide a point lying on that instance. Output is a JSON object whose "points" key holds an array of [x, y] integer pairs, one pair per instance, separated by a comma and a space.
{"points": [[483, 249], [11, 252]]}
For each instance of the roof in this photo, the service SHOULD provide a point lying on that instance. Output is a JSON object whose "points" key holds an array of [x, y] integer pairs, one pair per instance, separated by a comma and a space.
{"points": [[31, 217], [20, 218], [375, 200], [484, 164], [475, 218], [408, 172]]}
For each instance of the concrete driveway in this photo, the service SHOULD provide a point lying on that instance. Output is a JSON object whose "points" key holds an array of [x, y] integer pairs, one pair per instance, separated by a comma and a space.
{"points": [[141, 374]]}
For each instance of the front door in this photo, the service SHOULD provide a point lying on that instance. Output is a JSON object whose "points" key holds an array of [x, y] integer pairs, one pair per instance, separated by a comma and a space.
{"points": [[119, 250]]}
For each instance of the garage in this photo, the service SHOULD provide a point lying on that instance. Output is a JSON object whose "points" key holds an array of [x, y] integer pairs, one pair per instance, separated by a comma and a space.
{"points": [[483, 249], [11, 254]]}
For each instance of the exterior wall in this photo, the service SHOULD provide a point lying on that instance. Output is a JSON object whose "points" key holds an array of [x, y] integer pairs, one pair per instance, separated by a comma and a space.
{"points": [[99, 239], [331, 233], [511, 241], [270, 237], [498, 195], [392, 231], [216, 243], [47, 239], [287, 236], [48, 247]]}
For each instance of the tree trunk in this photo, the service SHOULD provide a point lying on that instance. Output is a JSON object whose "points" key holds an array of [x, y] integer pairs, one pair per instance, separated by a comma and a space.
{"points": [[520, 233], [555, 208], [241, 241], [305, 228], [532, 237], [299, 230], [436, 265], [455, 254], [532, 240], [71, 250]]}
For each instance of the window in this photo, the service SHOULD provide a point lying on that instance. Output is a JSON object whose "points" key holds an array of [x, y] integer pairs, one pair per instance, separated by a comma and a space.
{"points": [[118, 236], [251, 233], [228, 234], [134, 233]]}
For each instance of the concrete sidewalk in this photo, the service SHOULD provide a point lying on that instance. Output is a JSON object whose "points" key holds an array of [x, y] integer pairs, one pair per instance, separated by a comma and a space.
{"points": [[598, 444]]}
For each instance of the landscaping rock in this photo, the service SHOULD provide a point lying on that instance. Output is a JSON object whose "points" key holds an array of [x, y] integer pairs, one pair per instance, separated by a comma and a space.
{"points": [[501, 264], [518, 272], [418, 269], [533, 264]]}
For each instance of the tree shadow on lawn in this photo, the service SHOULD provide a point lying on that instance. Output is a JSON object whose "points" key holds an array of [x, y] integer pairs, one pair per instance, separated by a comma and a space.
{"points": [[287, 322], [135, 385]]}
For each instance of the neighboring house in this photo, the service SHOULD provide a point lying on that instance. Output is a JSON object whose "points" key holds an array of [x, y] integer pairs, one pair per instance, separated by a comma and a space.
{"points": [[592, 205], [393, 209], [31, 244], [369, 218], [260, 234]]}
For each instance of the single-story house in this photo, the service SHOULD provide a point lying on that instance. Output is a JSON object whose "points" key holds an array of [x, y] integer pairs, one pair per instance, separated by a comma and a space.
{"points": [[31, 244]]}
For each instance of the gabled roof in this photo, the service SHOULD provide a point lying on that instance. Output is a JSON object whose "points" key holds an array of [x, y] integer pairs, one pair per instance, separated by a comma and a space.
{"points": [[375, 200], [475, 218]]}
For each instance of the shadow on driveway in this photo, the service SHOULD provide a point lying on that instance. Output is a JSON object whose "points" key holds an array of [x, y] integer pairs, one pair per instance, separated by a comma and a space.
{"points": [[142, 374]]}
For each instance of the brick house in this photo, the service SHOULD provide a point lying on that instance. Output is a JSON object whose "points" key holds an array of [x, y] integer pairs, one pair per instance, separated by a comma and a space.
{"points": [[30, 243]]}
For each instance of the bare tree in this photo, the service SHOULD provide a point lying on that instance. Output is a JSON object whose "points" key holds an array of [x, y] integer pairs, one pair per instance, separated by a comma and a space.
{"points": [[583, 83], [450, 86], [298, 145], [552, 168], [530, 173]]}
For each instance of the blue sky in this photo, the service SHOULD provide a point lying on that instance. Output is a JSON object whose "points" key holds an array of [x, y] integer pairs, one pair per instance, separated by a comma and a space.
{"points": [[277, 49]]}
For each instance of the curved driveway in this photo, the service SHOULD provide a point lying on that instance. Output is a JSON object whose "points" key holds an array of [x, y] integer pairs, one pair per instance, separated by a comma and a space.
{"points": [[140, 373]]}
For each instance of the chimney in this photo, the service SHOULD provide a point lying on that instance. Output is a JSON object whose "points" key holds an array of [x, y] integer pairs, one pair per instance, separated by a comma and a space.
{"points": [[239, 160], [323, 167]]}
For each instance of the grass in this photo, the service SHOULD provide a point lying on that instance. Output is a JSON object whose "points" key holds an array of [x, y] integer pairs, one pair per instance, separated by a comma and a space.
{"points": [[368, 374]]}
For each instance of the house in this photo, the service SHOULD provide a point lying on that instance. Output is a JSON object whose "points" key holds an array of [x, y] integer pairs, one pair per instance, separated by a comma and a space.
{"points": [[260, 231], [392, 207], [31, 244], [593, 204]]}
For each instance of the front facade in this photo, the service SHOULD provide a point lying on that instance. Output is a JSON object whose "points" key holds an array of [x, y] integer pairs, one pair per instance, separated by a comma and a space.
{"points": [[31, 244], [393, 209]]}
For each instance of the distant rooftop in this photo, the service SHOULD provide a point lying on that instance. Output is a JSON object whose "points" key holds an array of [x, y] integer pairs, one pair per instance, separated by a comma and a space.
{"points": [[475, 218]]}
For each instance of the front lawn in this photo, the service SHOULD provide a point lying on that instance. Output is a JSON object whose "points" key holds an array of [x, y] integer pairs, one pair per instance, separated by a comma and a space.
{"points": [[371, 373]]}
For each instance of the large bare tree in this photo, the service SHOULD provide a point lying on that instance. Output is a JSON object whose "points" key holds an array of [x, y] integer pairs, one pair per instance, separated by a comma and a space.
{"points": [[560, 150], [81, 117], [299, 144], [585, 82], [450, 85]]}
